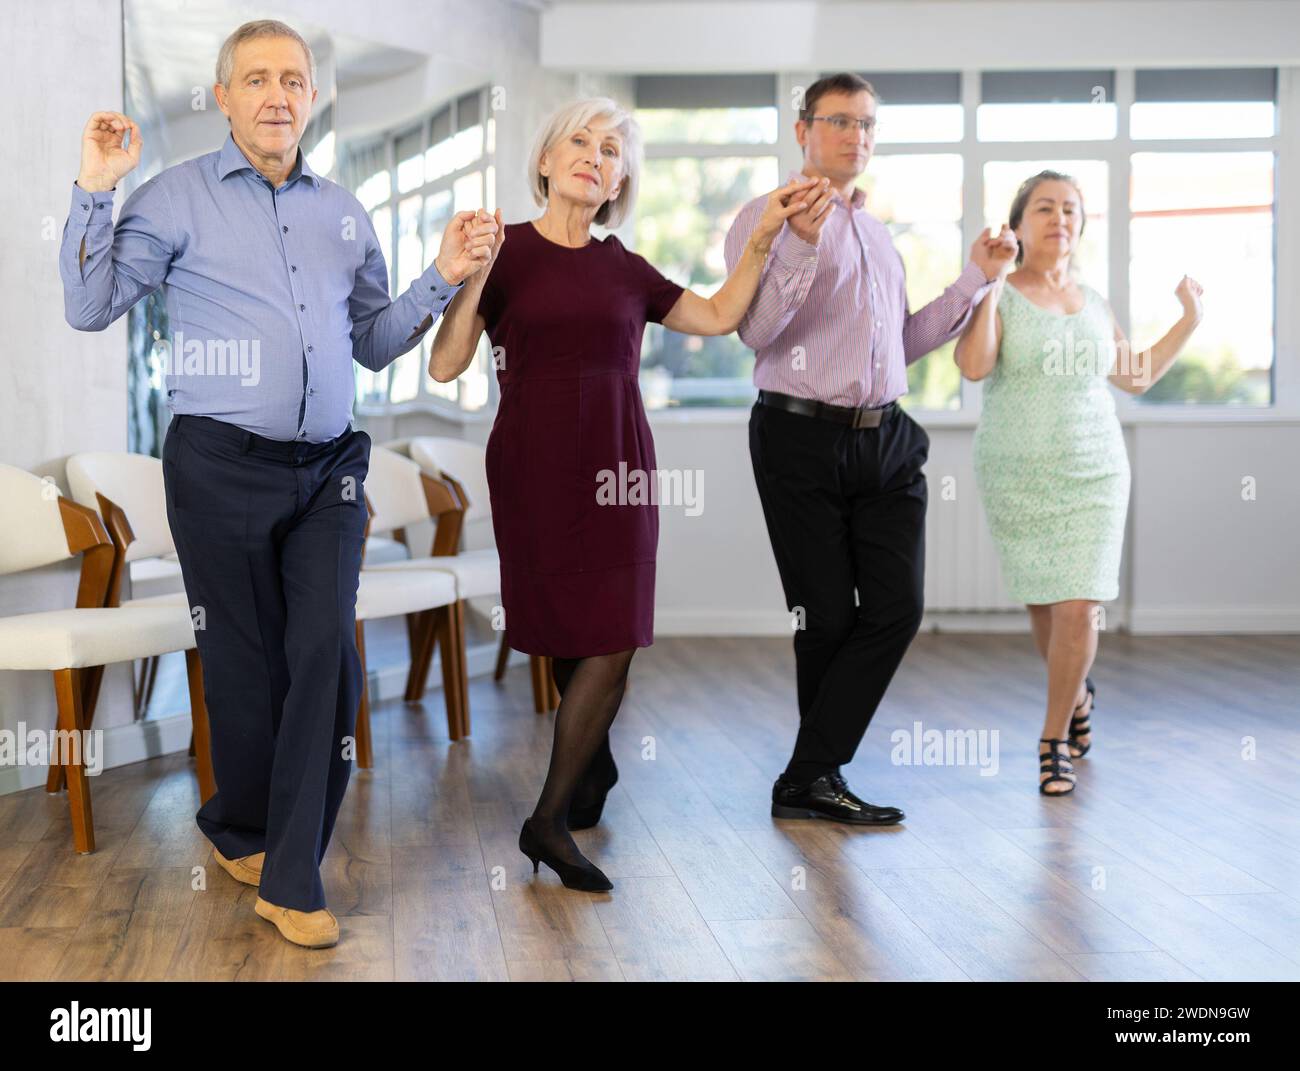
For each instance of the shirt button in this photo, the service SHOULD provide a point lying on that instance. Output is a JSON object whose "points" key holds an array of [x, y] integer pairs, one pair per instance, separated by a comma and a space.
{"points": [[309, 349], [293, 267], [285, 229], [303, 308]]}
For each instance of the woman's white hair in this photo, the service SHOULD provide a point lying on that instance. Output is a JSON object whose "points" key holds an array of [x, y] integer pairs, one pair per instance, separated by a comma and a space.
{"points": [[248, 32], [562, 123]]}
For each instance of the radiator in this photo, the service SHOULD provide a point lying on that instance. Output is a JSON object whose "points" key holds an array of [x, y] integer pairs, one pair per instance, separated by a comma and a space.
{"points": [[961, 562]]}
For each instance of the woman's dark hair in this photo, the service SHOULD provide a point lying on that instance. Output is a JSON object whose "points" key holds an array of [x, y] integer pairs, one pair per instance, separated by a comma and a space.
{"points": [[845, 82], [1026, 191]]}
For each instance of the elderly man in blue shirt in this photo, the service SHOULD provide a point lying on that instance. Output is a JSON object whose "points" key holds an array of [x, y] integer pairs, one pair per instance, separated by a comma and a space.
{"points": [[275, 284]]}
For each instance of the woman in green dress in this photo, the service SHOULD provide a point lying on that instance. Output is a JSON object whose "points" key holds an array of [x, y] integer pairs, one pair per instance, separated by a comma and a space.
{"points": [[1049, 454]]}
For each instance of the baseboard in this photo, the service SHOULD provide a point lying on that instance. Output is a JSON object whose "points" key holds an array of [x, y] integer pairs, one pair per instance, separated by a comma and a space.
{"points": [[121, 744], [777, 623], [1207, 620]]}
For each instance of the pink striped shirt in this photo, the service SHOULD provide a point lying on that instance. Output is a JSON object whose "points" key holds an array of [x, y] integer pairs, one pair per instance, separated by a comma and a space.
{"points": [[831, 321]]}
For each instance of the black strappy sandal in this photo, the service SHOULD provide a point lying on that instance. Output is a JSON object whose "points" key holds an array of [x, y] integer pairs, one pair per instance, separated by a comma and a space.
{"points": [[1081, 724], [1058, 766]]}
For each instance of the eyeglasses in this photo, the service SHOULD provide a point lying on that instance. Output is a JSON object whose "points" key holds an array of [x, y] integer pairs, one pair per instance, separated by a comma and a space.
{"points": [[841, 123]]}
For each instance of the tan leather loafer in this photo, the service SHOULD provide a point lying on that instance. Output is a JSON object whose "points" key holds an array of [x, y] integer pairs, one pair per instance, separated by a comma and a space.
{"points": [[311, 929], [247, 869]]}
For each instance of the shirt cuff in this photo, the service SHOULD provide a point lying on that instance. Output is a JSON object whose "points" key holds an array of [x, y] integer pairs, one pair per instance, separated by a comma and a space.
{"points": [[972, 284], [91, 208], [793, 251], [436, 290]]}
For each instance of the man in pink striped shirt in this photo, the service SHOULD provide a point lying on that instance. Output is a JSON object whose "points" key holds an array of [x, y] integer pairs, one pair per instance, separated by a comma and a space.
{"points": [[838, 464]]}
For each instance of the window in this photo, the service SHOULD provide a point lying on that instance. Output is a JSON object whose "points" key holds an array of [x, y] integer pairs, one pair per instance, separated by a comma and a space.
{"points": [[710, 149], [919, 197], [1046, 106], [1210, 216], [917, 107], [1204, 104], [411, 182]]}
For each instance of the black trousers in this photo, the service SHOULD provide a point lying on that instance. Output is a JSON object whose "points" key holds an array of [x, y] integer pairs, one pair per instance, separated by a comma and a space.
{"points": [[269, 535], [845, 512]]}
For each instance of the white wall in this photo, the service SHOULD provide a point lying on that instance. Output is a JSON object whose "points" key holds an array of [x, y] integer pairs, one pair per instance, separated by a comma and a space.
{"points": [[917, 35]]}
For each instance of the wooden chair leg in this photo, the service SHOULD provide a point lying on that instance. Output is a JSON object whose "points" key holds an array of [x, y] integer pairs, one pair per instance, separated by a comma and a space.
{"points": [[540, 689], [67, 691], [365, 756], [552, 689], [137, 685], [201, 735], [416, 626], [462, 663], [152, 664], [92, 678], [503, 656], [417, 678], [412, 632], [445, 617]]}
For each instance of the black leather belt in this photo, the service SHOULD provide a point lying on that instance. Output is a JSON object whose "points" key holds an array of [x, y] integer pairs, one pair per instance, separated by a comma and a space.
{"points": [[860, 417]]}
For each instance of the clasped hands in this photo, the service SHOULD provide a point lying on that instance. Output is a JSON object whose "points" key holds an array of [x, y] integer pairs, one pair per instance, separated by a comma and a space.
{"points": [[995, 254], [470, 245]]}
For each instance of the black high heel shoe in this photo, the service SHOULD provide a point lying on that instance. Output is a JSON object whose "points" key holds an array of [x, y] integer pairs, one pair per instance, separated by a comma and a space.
{"points": [[584, 816], [585, 876], [1081, 724]]}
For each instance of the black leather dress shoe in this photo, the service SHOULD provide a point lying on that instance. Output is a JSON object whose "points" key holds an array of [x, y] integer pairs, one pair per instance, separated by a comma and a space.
{"points": [[829, 797]]}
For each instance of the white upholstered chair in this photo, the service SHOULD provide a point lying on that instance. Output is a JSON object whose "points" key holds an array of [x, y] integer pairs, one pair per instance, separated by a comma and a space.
{"points": [[464, 465], [134, 482], [398, 494], [42, 527]]}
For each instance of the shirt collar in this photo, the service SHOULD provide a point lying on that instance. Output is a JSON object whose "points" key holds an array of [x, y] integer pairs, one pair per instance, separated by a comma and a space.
{"points": [[232, 159], [857, 199]]}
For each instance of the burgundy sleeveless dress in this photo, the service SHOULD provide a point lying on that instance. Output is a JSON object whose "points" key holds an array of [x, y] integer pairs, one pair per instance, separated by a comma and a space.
{"points": [[577, 574]]}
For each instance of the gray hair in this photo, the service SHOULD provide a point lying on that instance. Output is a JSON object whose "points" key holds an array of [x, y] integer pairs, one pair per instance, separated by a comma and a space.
{"points": [[251, 30], [565, 121]]}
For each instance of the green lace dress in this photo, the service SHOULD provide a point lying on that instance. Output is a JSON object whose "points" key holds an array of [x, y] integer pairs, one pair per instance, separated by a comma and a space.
{"points": [[1049, 454]]}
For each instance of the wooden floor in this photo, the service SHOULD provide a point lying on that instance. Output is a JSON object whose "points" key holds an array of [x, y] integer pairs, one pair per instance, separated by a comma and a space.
{"points": [[1176, 858]]}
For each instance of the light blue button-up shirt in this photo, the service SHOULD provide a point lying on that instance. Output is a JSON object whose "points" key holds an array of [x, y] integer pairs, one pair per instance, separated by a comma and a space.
{"points": [[271, 292]]}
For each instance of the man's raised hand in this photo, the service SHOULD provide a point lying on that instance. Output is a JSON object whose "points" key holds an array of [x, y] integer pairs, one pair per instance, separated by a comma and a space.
{"points": [[104, 160]]}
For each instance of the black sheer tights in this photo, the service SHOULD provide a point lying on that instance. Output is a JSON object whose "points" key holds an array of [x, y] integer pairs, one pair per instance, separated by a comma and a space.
{"points": [[591, 690]]}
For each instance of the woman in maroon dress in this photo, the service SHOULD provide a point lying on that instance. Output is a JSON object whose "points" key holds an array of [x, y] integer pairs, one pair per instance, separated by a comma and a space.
{"points": [[565, 314]]}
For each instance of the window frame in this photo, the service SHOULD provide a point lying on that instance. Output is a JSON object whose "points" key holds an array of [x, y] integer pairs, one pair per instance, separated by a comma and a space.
{"points": [[425, 401]]}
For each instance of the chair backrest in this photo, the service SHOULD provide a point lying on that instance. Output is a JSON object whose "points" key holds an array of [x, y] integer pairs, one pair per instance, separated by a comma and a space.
{"points": [[395, 491], [41, 527], [466, 462], [134, 482], [33, 532]]}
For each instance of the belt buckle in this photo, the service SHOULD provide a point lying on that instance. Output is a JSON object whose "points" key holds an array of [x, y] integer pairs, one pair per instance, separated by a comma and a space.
{"points": [[860, 419]]}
